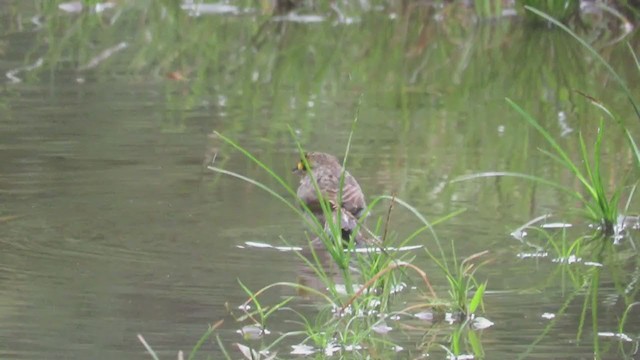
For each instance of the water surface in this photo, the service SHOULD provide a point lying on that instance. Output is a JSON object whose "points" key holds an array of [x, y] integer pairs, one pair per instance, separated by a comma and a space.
{"points": [[112, 226]]}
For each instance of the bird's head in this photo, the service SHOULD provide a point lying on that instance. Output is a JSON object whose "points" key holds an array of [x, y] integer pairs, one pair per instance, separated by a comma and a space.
{"points": [[312, 160]]}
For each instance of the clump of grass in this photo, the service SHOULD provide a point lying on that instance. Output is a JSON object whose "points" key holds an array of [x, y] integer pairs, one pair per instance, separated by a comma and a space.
{"points": [[462, 283], [600, 207]]}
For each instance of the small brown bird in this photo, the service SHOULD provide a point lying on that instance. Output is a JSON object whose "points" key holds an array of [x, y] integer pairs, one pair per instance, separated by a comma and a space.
{"points": [[327, 172]]}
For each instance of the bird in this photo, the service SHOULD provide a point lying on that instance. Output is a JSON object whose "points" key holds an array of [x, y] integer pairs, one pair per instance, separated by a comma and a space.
{"points": [[328, 172]]}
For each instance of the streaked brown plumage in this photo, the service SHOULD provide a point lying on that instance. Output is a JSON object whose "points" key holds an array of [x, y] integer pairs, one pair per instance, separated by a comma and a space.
{"points": [[327, 171]]}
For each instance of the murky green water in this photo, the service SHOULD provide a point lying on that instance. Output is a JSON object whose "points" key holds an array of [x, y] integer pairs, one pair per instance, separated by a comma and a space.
{"points": [[111, 226]]}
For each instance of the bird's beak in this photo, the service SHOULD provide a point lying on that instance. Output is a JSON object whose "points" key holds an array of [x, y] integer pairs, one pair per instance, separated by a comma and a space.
{"points": [[299, 169]]}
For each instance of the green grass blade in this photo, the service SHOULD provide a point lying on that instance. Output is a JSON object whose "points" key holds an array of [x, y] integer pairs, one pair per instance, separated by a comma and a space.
{"points": [[257, 184], [585, 159], [254, 299], [417, 214], [257, 162], [633, 145], [202, 339], [633, 54], [476, 345], [596, 103], [489, 174], [222, 348], [635, 59], [584, 180], [607, 207], [477, 298], [563, 154]]}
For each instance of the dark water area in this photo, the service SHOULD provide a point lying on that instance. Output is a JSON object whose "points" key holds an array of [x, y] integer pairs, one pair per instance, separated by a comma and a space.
{"points": [[112, 226]]}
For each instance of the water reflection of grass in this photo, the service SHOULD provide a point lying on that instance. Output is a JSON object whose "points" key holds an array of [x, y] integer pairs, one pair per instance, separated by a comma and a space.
{"points": [[583, 265]]}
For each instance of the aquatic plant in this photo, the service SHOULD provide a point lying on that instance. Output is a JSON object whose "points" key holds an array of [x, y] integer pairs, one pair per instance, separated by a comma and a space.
{"points": [[618, 79], [599, 206], [462, 282]]}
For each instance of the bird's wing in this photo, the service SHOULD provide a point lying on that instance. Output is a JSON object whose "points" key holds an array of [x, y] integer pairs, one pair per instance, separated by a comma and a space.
{"points": [[328, 184], [352, 196]]}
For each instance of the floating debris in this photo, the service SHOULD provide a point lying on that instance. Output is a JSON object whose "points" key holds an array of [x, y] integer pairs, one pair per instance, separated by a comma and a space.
{"points": [[571, 259], [307, 19], [451, 318], [520, 232], [424, 315], [387, 249], [12, 74], [556, 225], [303, 349], [461, 357], [251, 354], [104, 55], [548, 316], [331, 349], [540, 254], [261, 245], [74, 7], [198, 8], [253, 332], [621, 336], [564, 126], [593, 263], [480, 323], [381, 328], [398, 288], [353, 348]]}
